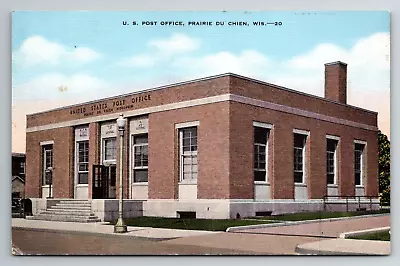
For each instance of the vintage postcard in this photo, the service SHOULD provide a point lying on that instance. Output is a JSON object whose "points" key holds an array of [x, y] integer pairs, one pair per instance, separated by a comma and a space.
{"points": [[214, 133]]}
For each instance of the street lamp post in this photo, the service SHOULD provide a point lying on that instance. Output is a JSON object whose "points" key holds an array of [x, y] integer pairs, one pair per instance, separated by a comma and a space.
{"points": [[120, 226]]}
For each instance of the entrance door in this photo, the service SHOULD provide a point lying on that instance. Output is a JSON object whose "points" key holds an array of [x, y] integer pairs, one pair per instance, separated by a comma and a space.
{"points": [[111, 176], [100, 182]]}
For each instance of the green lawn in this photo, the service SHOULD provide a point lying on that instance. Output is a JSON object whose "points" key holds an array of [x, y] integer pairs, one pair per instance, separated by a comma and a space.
{"points": [[382, 236], [188, 224], [301, 216]]}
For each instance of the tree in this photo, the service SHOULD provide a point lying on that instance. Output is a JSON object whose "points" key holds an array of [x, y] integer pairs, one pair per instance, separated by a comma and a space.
{"points": [[384, 168]]}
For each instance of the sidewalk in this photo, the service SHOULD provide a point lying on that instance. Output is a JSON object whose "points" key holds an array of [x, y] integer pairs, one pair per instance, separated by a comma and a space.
{"points": [[324, 228], [342, 246], [104, 228]]}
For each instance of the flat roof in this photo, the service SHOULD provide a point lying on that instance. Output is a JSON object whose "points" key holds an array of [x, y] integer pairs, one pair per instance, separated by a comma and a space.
{"points": [[205, 79]]}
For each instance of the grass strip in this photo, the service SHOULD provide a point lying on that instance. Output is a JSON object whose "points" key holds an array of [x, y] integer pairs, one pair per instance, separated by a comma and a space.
{"points": [[302, 216], [189, 224], [381, 236]]}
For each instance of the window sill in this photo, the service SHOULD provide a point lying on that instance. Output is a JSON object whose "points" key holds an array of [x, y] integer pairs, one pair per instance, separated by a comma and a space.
{"points": [[82, 185], [359, 186], [333, 185], [300, 184], [261, 183], [140, 183], [107, 163], [46, 186], [188, 182]]}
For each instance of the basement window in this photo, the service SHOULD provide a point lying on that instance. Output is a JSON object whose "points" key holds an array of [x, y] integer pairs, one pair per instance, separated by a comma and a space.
{"points": [[187, 215]]}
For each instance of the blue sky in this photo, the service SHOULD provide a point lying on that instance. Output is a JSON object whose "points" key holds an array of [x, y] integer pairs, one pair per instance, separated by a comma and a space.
{"points": [[93, 55]]}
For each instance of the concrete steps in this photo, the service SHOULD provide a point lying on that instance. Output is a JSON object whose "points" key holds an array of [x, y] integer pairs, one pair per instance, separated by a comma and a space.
{"points": [[68, 211], [65, 218], [70, 206]]}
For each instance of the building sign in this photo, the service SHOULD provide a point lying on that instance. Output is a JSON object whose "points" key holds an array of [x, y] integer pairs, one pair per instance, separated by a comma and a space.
{"points": [[82, 133], [110, 106], [139, 125], [108, 130]]}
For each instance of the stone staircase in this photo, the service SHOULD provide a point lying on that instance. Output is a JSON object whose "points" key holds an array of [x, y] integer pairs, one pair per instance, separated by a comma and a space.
{"points": [[68, 211]]}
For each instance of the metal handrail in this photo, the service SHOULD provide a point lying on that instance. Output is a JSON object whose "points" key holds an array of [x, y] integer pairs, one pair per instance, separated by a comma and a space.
{"points": [[347, 197]]}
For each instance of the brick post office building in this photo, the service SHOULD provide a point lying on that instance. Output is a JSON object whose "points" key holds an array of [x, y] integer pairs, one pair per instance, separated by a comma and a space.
{"points": [[217, 147]]}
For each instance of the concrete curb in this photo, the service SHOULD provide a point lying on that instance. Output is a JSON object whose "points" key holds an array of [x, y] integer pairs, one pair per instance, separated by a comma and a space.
{"points": [[344, 247], [308, 251], [361, 232], [104, 234], [287, 223]]}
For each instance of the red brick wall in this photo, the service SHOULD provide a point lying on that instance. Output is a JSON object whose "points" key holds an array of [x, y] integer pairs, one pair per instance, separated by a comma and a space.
{"points": [[276, 95], [241, 155], [62, 161], [213, 152], [346, 169], [281, 159], [33, 182], [372, 185], [283, 179], [94, 152], [316, 162]]}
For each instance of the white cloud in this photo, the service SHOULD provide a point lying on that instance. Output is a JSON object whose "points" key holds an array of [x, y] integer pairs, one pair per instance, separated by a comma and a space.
{"points": [[59, 86], [371, 52], [37, 50], [177, 43], [248, 62], [19, 112], [140, 60], [162, 50], [83, 54]]}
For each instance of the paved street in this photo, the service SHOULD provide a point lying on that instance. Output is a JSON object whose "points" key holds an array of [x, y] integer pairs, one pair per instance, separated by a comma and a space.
{"points": [[77, 243], [277, 245]]}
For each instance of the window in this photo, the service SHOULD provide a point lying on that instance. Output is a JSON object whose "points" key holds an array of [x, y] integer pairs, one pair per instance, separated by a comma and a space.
{"points": [[141, 158], [260, 153], [47, 164], [110, 149], [188, 153], [83, 161], [331, 161], [22, 167], [299, 157], [358, 163]]}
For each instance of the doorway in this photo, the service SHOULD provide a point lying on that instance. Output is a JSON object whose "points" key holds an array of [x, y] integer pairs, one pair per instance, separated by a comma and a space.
{"points": [[104, 181]]}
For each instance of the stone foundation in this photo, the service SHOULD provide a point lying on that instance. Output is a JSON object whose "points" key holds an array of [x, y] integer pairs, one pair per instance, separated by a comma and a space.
{"points": [[107, 209]]}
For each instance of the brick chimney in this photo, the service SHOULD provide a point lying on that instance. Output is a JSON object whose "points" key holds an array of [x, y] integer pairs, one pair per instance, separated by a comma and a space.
{"points": [[336, 81]]}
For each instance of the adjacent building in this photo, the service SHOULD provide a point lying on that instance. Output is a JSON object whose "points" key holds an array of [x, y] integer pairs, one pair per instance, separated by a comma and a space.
{"points": [[18, 175], [218, 147]]}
